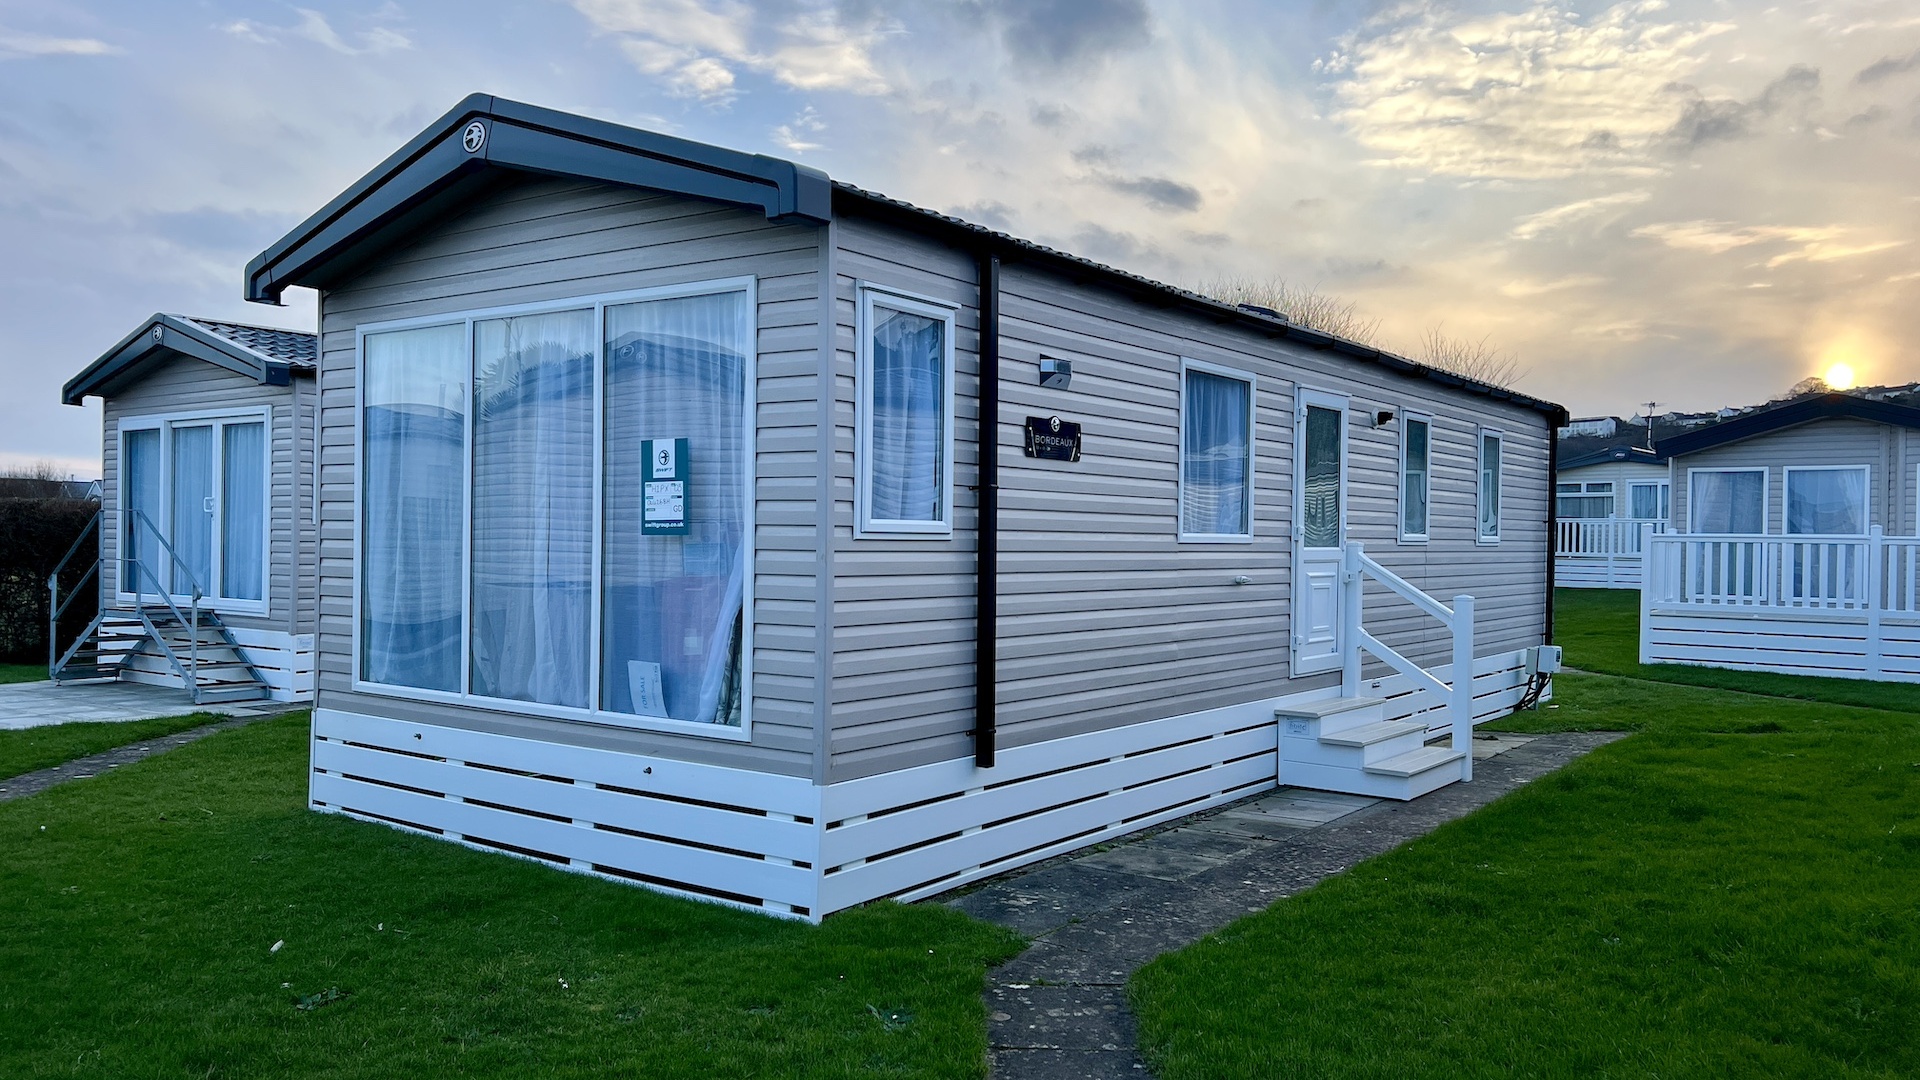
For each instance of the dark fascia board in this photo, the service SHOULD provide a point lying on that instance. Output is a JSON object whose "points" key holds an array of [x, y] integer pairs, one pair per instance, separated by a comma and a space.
{"points": [[159, 339], [1615, 453], [966, 235], [530, 139], [1806, 410]]}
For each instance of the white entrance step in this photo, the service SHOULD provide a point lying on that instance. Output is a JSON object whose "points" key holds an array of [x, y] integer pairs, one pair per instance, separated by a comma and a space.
{"points": [[1346, 745]]}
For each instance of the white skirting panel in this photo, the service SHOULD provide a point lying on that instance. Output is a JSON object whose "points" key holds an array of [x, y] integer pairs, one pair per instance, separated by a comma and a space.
{"points": [[924, 830], [284, 660], [1591, 573], [1836, 644], [785, 846], [730, 835]]}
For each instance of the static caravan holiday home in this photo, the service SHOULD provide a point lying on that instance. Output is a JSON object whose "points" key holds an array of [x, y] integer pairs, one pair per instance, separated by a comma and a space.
{"points": [[207, 570], [1603, 500], [1798, 543], [659, 539]]}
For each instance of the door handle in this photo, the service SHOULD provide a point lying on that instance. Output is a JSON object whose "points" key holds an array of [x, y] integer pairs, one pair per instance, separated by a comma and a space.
{"points": [[206, 504]]}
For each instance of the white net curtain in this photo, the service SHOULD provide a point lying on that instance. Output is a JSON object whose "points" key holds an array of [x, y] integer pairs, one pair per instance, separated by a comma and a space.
{"points": [[671, 623]]}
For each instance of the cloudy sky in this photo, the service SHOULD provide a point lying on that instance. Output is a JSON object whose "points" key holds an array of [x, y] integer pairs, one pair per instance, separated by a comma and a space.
{"points": [[1696, 202]]}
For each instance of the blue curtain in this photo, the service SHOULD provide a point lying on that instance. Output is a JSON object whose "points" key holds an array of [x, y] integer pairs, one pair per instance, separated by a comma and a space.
{"points": [[1414, 465], [413, 439], [143, 569], [1728, 502], [909, 417], [1215, 493]]}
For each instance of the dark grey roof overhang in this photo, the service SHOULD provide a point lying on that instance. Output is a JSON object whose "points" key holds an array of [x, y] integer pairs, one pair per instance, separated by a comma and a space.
{"points": [[164, 337], [436, 171], [441, 167], [1793, 413]]}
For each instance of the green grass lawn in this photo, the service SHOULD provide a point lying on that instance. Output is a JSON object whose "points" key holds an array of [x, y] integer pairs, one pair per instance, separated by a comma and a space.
{"points": [[1734, 891], [43, 747], [1600, 629], [143, 908], [13, 673]]}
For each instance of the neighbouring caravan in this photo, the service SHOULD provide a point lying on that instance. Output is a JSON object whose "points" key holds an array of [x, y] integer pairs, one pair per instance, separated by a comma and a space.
{"points": [[1796, 543], [659, 538], [208, 524], [1603, 501]]}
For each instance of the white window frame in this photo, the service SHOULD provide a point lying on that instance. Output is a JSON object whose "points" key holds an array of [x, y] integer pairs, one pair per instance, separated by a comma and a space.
{"points": [[598, 302], [1662, 493], [1188, 364], [1427, 476], [1590, 489], [865, 524], [1480, 535], [164, 423], [1786, 494], [1766, 496]]}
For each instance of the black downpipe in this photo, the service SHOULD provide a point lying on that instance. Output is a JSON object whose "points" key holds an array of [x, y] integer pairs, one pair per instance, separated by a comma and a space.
{"points": [[986, 638], [1553, 512]]}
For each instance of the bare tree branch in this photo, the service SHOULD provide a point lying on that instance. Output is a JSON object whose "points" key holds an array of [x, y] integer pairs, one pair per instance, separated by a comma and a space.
{"points": [[39, 470], [1479, 360], [1302, 305]]}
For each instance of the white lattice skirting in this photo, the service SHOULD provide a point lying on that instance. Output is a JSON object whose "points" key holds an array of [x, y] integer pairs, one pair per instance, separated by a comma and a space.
{"points": [[786, 846]]}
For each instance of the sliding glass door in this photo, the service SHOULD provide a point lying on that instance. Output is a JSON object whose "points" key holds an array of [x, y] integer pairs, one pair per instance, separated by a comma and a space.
{"points": [[571, 533], [196, 494]]}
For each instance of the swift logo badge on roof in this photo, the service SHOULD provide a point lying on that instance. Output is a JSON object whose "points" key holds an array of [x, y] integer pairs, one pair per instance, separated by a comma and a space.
{"points": [[474, 137]]}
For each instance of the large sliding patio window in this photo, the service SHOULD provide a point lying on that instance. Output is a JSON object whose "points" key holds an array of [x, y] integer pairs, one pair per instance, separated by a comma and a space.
{"points": [[571, 536], [195, 490]]}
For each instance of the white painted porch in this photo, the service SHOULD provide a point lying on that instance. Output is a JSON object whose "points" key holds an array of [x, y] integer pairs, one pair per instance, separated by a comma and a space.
{"points": [[1839, 606], [1599, 553]]}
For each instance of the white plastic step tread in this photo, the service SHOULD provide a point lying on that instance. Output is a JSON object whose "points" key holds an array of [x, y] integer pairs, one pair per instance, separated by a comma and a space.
{"points": [[1415, 762], [1368, 734], [1318, 710]]}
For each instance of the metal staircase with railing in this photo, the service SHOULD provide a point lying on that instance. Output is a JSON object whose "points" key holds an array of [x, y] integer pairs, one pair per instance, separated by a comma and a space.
{"points": [[195, 644], [1346, 743]]}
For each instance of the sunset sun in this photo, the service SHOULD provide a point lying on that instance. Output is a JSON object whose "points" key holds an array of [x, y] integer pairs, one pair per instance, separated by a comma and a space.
{"points": [[1839, 376]]}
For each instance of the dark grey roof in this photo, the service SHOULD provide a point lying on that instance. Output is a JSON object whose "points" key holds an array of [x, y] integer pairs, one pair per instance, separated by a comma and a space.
{"points": [[1613, 453], [292, 347], [1800, 411], [463, 154], [266, 355]]}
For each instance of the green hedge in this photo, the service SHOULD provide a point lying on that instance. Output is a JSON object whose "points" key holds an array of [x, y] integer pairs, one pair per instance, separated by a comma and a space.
{"points": [[34, 534]]}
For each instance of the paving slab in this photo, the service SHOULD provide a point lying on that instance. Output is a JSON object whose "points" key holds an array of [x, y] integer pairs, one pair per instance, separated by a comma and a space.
{"points": [[37, 704], [1059, 1009]]}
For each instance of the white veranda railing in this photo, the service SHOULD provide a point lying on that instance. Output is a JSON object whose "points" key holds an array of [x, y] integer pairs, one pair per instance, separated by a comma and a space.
{"points": [[1868, 574], [1356, 567], [1601, 537]]}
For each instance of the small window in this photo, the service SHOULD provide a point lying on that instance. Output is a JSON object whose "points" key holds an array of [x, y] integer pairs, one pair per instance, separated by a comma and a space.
{"points": [[1727, 501], [1650, 502], [1489, 494], [1216, 455], [1416, 454], [1593, 499], [906, 416], [1827, 501]]}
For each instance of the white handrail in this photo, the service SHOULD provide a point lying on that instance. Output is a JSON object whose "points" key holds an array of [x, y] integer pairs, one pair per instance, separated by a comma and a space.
{"points": [[1355, 567]]}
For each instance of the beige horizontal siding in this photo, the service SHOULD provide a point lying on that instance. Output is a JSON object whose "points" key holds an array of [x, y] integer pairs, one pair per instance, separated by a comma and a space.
{"points": [[1106, 619], [540, 240], [185, 384], [1837, 441]]}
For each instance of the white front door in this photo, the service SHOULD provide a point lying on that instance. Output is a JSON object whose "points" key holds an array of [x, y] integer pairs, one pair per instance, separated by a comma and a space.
{"points": [[1319, 528]]}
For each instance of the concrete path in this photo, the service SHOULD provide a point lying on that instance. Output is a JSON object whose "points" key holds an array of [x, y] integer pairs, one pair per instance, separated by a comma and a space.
{"points": [[33, 704], [1059, 1009]]}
